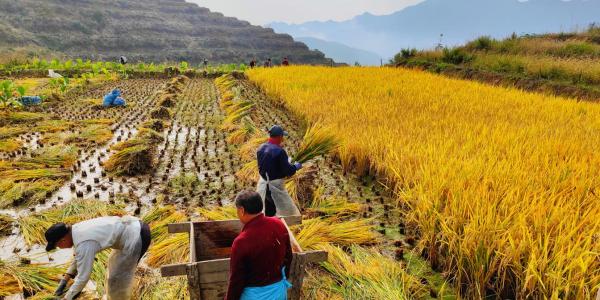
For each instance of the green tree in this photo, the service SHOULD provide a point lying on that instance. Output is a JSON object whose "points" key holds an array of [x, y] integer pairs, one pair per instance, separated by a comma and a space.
{"points": [[10, 95]]}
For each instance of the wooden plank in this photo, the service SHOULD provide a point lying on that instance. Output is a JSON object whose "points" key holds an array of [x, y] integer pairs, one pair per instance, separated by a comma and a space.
{"points": [[193, 244], [194, 283], [216, 277], [210, 278], [179, 228], [214, 238], [173, 270], [214, 291], [216, 265], [315, 256], [297, 273]]}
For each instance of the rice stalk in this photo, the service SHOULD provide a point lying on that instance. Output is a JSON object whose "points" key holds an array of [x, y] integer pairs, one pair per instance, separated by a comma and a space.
{"points": [[6, 224], [235, 116], [317, 141], [156, 125], [158, 213], [151, 286], [245, 130], [10, 145], [131, 161], [367, 274], [249, 172], [18, 165], [171, 250], [333, 206], [159, 229], [26, 193], [184, 184], [107, 122], [135, 156], [99, 271], [30, 278], [248, 150], [21, 175], [23, 117], [63, 156], [218, 213], [91, 135], [161, 113], [52, 126], [313, 233], [11, 131], [300, 186], [500, 205]]}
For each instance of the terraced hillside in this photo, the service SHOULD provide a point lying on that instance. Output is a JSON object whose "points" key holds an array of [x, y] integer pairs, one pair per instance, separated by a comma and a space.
{"points": [[148, 30]]}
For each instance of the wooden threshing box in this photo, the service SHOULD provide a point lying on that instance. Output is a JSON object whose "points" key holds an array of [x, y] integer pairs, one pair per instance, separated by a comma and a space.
{"points": [[210, 248]]}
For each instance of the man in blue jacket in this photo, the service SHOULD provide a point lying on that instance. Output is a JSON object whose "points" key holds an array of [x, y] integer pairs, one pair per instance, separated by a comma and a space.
{"points": [[274, 166]]}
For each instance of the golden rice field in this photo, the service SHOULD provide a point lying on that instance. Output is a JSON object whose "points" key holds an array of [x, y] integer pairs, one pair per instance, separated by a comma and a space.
{"points": [[503, 186]]}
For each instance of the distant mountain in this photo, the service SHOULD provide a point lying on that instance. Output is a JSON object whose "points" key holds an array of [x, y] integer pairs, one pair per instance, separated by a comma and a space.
{"points": [[148, 30], [420, 25], [342, 53]]}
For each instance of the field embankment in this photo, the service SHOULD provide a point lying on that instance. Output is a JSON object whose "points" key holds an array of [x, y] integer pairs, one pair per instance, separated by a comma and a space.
{"points": [[500, 185], [565, 64]]}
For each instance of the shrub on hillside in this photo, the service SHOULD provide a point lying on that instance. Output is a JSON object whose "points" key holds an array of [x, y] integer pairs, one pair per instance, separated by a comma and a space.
{"points": [[456, 56], [404, 55], [483, 43], [577, 49]]}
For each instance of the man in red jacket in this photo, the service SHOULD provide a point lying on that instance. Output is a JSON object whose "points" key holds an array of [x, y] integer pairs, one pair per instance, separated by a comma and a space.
{"points": [[261, 255]]}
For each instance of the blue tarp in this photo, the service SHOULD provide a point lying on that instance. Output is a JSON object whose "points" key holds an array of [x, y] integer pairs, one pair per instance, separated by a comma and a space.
{"points": [[30, 100], [111, 99], [119, 102]]}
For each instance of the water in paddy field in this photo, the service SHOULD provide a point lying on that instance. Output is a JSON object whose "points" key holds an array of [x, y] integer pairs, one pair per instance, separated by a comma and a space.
{"points": [[194, 143]]}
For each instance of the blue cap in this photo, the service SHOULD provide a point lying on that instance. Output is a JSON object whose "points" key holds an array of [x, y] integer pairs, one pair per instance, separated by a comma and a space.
{"points": [[277, 131]]}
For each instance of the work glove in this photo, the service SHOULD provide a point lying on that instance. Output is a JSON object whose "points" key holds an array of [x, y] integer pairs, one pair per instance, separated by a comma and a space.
{"points": [[298, 166], [61, 287]]}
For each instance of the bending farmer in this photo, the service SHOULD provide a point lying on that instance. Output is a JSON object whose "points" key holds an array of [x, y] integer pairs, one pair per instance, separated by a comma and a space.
{"points": [[274, 167], [127, 236], [261, 254]]}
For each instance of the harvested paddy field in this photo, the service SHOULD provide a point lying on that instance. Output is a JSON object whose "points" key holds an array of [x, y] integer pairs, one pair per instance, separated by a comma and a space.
{"points": [[180, 150]]}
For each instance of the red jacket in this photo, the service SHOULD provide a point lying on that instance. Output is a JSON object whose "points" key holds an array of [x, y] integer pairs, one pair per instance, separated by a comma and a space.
{"points": [[258, 254]]}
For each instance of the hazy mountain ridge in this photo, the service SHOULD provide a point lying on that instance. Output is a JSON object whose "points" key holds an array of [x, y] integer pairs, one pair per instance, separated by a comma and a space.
{"points": [[342, 53], [149, 30], [420, 25]]}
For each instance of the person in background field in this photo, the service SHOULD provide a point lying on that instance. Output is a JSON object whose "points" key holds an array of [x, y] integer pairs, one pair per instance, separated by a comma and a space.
{"points": [[285, 62], [268, 63], [252, 64], [261, 254], [127, 236], [205, 63], [274, 167], [123, 60]]}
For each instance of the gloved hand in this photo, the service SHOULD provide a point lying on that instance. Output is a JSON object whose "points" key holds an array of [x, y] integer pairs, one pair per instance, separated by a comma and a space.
{"points": [[298, 165], [61, 287]]}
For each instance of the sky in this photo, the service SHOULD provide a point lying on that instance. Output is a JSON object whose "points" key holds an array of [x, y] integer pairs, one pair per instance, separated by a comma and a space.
{"points": [[262, 12]]}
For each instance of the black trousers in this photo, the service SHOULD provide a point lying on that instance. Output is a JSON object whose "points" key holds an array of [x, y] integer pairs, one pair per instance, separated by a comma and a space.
{"points": [[146, 238], [270, 208]]}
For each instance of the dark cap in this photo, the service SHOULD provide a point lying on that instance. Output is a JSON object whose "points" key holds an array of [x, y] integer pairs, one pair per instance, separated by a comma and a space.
{"points": [[54, 234], [277, 131]]}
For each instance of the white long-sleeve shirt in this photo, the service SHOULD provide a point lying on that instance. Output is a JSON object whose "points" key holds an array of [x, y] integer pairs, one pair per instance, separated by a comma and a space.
{"points": [[85, 253]]}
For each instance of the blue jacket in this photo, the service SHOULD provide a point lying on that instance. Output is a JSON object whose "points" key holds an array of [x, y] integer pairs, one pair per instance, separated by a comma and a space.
{"points": [[273, 160]]}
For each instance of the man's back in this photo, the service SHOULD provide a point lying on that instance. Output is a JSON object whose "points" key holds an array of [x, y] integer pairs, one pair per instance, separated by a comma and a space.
{"points": [[273, 161], [258, 255]]}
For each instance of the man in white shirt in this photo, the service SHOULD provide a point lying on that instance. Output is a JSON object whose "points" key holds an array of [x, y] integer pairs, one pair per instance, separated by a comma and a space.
{"points": [[127, 236]]}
